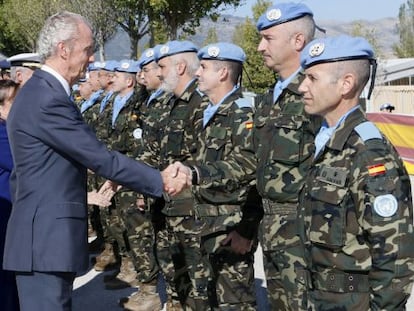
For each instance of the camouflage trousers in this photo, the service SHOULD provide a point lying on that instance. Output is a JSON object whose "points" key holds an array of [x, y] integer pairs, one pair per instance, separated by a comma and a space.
{"points": [[182, 264], [141, 239], [231, 276], [115, 224], [284, 263]]}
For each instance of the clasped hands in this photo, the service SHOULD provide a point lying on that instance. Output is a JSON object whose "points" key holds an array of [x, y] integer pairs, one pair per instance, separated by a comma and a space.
{"points": [[176, 177]]}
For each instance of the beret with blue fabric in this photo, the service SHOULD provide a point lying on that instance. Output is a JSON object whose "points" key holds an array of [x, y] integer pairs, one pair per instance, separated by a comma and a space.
{"points": [[333, 49], [281, 13], [110, 65], [94, 66], [147, 57], [340, 48], [222, 51], [127, 65], [174, 47]]}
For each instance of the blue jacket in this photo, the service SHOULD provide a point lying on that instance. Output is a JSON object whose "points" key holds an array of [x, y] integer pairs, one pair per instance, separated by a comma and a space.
{"points": [[52, 149], [6, 163]]}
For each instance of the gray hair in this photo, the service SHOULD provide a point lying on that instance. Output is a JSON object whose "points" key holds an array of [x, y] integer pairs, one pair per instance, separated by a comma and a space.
{"points": [[304, 25], [190, 59], [61, 27]]}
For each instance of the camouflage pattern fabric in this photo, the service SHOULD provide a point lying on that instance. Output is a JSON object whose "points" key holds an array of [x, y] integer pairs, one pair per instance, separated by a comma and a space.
{"points": [[283, 139], [226, 163], [90, 116], [357, 210], [169, 136]]}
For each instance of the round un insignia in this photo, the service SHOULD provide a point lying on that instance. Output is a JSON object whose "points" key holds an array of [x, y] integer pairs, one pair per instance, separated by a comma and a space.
{"points": [[137, 133], [385, 205], [316, 49], [273, 14], [213, 51]]}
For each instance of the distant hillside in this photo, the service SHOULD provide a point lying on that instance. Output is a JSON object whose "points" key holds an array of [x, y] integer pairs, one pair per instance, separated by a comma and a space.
{"points": [[385, 30]]}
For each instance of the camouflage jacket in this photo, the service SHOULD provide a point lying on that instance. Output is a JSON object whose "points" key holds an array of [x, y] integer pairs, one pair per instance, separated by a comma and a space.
{"points": [[283, 139], [226, 163], [153, 116], [172, 138], [91, 114], [357, 210], [125, 135]]}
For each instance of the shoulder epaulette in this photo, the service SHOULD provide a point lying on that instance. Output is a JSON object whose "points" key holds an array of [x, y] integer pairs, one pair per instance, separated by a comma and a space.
{"points": [[367, 130], [244, 102]]}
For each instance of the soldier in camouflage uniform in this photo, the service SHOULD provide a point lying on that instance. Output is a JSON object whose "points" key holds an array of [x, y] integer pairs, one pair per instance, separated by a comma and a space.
{"points": [[123, 128], [283, 139], [223, 173], [356, 203], [172, 139], [107, 258], [140, 221]]}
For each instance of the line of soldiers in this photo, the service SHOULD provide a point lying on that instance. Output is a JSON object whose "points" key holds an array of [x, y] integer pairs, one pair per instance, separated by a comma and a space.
{"points": [[333, 214]]}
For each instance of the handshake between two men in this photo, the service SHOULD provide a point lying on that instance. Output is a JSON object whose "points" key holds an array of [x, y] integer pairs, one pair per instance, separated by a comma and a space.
{"points": [[176, 177]]}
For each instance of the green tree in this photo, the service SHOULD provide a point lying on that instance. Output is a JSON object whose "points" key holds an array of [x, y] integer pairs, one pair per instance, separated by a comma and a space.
{"points": [[102, 16], [211, 36], [185, 15], [22, 21], [248, 38], [405, 27], [370, 34]]}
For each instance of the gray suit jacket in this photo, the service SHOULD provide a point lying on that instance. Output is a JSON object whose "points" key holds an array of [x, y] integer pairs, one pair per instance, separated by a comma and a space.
{"points": [[52, 148]]}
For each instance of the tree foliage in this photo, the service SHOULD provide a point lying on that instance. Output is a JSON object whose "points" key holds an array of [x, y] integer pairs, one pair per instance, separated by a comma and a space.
{"points": [[22, 20], [185, 15], [211, 36], [162, 20], [102, 16], [248, 38], [370, 34], [405, 48]]}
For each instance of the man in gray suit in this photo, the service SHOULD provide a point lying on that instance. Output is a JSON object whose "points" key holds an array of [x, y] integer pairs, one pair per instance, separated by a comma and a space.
{"points": [[52, 147]]}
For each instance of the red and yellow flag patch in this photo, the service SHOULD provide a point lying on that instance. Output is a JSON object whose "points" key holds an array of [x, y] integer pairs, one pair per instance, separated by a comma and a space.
{"points": [[249, 125], [377, 169]]}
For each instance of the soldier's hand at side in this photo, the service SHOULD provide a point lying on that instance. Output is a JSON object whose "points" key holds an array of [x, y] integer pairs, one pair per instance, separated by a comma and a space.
{"points": [[140, 203], [96, 198], [109, 188], [239, 244]]}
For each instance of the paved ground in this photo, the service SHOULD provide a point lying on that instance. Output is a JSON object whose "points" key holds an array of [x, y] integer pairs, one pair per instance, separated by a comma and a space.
{"points": [[91, 295]]}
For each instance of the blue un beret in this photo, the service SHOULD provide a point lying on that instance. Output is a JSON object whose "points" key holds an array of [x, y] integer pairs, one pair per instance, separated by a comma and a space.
{"points": [[95, 66], [332, 49], [281, 13], [147, 57], [127, 65], [222, 51], [174, 47], [110, 65], [4, 64]]}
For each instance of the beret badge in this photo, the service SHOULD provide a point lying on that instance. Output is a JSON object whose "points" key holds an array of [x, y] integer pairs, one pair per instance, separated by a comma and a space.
{"points": [[274, 14], [316, 49]]}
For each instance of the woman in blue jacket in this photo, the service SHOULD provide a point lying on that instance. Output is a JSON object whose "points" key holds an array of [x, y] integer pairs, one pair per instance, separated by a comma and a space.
{"points": [[8, 291]]}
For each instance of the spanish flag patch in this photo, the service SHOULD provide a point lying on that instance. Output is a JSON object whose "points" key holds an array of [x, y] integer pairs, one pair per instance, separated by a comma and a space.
{"points": [[249, 125], [377, 169]]}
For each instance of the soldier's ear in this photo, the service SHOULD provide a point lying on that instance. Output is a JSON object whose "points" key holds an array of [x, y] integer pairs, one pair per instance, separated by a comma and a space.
{"points": [[348, 85], [181, 67]]}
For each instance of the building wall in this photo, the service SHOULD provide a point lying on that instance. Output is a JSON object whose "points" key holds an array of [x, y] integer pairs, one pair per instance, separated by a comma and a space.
{"points": [[400, 96]]}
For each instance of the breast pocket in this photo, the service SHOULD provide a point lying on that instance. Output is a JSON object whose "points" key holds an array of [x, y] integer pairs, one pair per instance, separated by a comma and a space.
{"points": [[327, 214], [287, 139], [215, 143]]}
